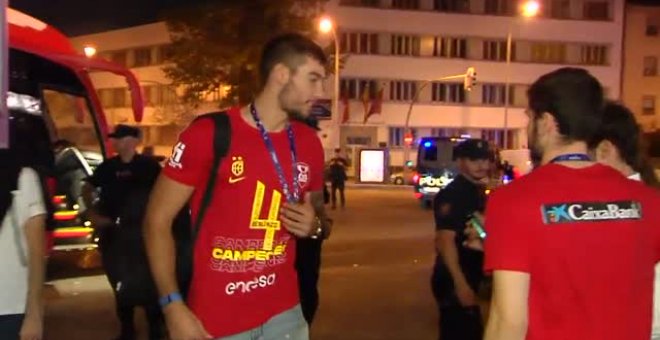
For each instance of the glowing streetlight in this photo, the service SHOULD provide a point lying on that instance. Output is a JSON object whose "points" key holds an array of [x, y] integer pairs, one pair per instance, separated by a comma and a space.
{"points": [[530, 9], [90, 51], [326, 26]]}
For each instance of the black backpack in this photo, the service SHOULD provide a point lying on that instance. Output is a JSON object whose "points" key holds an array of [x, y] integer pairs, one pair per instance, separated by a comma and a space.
{"points": [[185, 228]]}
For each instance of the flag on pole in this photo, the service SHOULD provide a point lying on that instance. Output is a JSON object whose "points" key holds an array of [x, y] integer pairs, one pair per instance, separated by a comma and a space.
{"points": [[366, 98], [376, 104], [345, 116]]}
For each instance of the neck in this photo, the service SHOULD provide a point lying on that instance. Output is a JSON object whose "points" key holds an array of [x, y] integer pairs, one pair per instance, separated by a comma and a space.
{"points": [[269, 111], [127, 156], [625, 169], [564, 149]]}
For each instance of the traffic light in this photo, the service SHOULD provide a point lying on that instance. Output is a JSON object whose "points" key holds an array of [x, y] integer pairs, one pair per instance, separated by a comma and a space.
{"points": [[409, 164], [470, 79], [408, 139]]}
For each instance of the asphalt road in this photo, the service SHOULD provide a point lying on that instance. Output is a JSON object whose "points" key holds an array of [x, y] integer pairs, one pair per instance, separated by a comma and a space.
{"points": [[374, 279]]}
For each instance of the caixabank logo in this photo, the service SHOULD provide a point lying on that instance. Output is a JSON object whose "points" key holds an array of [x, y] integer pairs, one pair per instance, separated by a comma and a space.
{"points": [[575, 212]]}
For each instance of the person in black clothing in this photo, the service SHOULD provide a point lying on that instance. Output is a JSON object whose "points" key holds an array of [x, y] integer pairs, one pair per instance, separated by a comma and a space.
{"points": [[338, 177], [458, 271], [119, 181]]}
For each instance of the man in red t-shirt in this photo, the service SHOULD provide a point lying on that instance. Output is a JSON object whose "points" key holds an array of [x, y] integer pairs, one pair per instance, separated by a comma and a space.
{"points": [[268, 192], [572, 246]]}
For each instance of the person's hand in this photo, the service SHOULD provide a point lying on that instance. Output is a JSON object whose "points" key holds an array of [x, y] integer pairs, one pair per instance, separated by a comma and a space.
{"points": [[98, 220], [32, 328], [473, 240], [299, 218], [466, 296], [182, 324]]}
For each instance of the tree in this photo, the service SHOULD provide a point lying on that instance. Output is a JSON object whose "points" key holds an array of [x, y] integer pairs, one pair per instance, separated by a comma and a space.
{"points": [[219, 42]]}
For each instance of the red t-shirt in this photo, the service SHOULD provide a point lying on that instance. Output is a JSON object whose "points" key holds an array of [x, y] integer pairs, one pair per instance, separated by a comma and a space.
{"points": [[243, 272], [589, 239]]}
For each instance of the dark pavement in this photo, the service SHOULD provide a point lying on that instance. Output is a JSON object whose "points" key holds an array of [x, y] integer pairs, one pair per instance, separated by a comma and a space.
{"points": [[374, 280]]}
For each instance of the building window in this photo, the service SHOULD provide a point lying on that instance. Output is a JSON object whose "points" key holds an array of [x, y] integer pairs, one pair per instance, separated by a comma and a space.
{"points": [[142, 57], [560, 9], [448, 93], [596, 10], [105, 96], [119, 97], [498, 7], [648, 105], [164, 54], [650, 66], [405, 4], [119, 57], [356, 88], [450, 47], [496, 50], [403, 90], [455, 6], [594, 55], [407, 45], [652, 24], [359, 43], [549, 53], [493, 94], [397, 135]]}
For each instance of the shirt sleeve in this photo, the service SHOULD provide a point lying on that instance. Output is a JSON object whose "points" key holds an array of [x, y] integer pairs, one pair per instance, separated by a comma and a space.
{"points": [[508, 244], [96, 179], [30, 194], [317, 160], [447, 213], [192, 156]]}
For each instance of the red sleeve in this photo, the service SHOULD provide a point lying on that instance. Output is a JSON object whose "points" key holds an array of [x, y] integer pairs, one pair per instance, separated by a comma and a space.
{"points": [[508, 241], [193, 153], [317, 160]]}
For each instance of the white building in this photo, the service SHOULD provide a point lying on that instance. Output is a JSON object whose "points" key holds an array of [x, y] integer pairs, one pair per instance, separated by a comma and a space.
{"points": [[396, 45]]}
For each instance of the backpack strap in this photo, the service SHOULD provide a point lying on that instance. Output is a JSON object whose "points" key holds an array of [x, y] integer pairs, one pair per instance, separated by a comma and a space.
{"points": [[221, 141]]}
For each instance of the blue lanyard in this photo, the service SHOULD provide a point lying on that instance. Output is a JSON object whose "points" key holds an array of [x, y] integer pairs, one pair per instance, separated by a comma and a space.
{"points": [[571, 157], [293, 196]]}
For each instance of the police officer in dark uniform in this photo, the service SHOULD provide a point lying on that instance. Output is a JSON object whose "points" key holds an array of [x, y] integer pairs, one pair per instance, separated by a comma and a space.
{"points": [[458, 268], [123, 182]]}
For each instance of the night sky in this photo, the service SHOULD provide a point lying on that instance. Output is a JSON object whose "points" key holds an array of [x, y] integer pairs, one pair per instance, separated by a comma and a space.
{"points": [[76, 17]]}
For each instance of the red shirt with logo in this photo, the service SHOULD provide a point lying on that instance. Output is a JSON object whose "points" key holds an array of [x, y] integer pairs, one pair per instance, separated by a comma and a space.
{"points": [[243, 271], [589, 239]]}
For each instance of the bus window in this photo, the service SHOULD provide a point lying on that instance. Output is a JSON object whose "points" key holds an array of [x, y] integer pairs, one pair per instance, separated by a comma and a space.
{"points": [[72, 120]]}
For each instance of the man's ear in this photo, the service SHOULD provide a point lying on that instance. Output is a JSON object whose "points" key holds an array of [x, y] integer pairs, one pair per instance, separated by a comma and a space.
{"points": [[548, 124], [605, 151], [280, 74]]}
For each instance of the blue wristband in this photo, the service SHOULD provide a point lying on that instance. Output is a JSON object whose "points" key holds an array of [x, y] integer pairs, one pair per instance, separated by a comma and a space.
{"points": [[169, 298]]}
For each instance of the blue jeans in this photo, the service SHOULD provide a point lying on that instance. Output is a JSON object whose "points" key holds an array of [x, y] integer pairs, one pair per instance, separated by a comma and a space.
{"points": [[10, 326], [288, 325]]}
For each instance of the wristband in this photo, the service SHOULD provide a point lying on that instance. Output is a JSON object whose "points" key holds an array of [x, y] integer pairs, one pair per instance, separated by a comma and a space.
{"points": [[164, 301]]}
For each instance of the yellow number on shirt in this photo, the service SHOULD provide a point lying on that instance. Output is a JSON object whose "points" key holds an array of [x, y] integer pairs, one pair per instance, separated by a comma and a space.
{"points": [[270, 225]]}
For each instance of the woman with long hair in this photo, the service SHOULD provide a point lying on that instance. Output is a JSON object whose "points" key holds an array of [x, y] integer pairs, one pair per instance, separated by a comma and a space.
{"points": [[23, 215]]}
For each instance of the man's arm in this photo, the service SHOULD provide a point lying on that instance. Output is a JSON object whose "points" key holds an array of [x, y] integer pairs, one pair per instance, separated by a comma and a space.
{"points": [[319, 208], [167, 198], [446, 246], [509, 308], [36, 244]]}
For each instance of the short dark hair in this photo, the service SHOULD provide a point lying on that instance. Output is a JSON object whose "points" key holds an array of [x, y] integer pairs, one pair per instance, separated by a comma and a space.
{"points": [[619, 127], [573, 97], [289, 49]]}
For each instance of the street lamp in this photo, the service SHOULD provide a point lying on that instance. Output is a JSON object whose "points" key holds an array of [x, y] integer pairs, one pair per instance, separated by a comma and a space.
{"points": [[90, 51], [528, 9], [326, 26]]}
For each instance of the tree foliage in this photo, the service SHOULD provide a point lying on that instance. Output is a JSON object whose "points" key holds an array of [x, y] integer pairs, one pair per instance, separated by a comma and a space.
{"points": [[219, 42]]}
